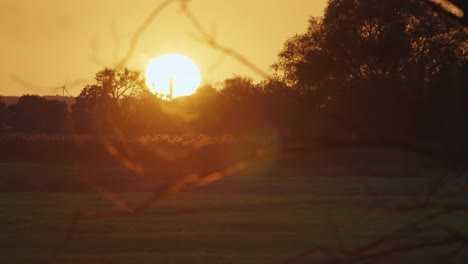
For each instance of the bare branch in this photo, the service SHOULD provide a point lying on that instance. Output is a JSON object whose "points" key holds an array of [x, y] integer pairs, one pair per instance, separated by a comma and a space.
{"points": [[143, 27]]}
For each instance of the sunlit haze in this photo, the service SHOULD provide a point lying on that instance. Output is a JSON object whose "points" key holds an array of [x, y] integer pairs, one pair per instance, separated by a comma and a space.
{"points": [[50, 42]]}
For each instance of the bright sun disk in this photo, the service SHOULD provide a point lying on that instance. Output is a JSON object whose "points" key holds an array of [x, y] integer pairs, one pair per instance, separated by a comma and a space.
{"points": [[173, 70]]}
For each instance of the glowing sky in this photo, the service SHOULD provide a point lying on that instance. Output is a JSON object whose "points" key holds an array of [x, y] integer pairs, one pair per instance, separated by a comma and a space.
{"points": [[45, 43]]}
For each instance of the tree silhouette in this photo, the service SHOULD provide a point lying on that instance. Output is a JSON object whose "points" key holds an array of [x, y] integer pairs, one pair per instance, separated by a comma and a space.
{"points": [[2, 104], [374, 62], [35, 114], [100, 106], [206, 102], [242, 100], [142, 114], [118, 83], [2, 109]]}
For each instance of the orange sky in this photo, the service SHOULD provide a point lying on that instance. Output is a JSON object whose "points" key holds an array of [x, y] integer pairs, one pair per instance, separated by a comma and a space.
{"points": [[48, 42]]}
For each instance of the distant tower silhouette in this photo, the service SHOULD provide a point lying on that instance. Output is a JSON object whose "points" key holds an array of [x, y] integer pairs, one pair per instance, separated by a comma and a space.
{"points": [[171, 88]]}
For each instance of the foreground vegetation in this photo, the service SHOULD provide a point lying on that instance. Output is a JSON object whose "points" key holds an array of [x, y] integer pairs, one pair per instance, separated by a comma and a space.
{"points": [[265, 214]]}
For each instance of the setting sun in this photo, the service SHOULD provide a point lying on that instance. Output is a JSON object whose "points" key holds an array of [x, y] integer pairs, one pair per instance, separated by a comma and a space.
{"points": [[172, 71]]}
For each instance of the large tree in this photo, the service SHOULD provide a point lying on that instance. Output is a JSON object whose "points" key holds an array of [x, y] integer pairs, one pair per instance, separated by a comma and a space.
{"points": [[376, 62]]}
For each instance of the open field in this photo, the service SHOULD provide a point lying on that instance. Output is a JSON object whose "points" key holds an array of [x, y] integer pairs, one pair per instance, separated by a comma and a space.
{"points": [[265, 214]]}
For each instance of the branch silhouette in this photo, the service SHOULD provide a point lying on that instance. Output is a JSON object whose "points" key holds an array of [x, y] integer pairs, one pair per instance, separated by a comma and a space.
{"points": [[446, 7], [207, 38], [144, 26]]}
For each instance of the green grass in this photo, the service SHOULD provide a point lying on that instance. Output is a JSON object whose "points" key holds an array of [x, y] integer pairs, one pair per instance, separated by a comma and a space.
{"points": [[229, 228], [263, 215]]}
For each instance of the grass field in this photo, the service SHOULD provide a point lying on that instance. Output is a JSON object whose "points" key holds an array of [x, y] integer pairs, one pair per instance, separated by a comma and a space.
{"points": [[265, 214]]}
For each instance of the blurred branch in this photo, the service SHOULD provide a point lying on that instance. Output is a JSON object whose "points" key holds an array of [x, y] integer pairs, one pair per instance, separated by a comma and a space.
{"points": [[411, 246], [117, 38], [450, 159], [205, 37], [181, 184], [143, 27], [69, 235], [409, 238], [214, 65], [447, 7]]}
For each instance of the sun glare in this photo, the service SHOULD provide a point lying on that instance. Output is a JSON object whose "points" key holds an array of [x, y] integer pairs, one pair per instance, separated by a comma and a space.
{"points": [[172, 75]]}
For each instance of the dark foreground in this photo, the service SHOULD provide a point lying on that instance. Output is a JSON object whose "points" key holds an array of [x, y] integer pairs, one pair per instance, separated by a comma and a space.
{"points": [[269, 213]]}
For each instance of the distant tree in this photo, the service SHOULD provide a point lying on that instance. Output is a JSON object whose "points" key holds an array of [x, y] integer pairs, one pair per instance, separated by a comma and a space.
{"points": [[206, 90], [207, 103], [118, 83], [35, 114], [373, 61], [92, 109], [57, 116], [2, 104], [100, 107], [241, 100], [239, 88], [142, 114], [2, 109]]}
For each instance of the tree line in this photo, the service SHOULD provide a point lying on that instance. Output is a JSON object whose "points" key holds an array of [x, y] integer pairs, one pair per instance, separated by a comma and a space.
{"points": [[392, 68], [120, 103]]}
